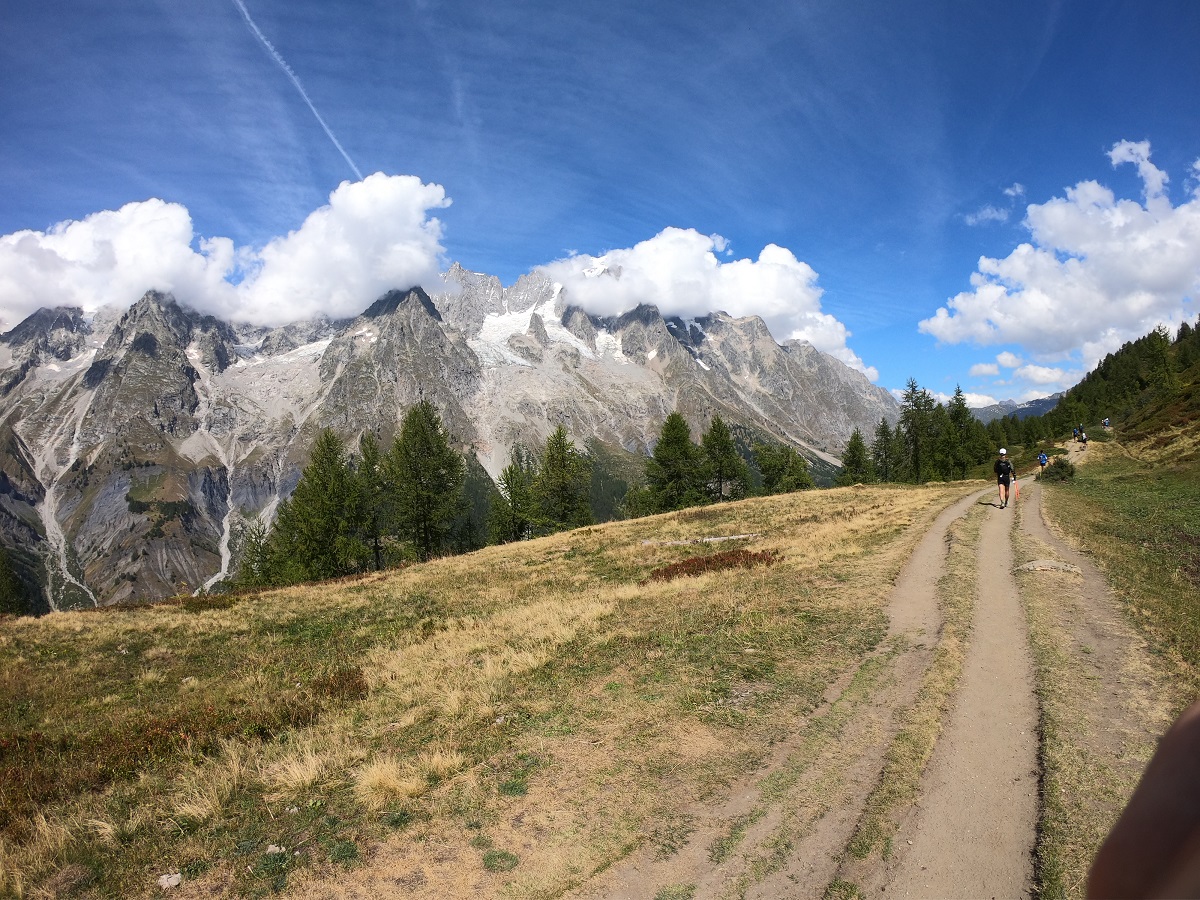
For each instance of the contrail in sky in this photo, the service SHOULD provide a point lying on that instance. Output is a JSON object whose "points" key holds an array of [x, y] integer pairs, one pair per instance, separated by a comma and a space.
{"points": [[287, 70]]}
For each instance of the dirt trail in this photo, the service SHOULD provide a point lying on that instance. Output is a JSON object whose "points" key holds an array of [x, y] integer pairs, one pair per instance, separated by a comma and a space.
{"points": [[819, 815], [972, 832]]}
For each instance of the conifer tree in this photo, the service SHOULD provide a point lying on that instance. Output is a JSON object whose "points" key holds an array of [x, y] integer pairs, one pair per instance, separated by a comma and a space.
{"points": [[480, 497], [316, 530], [783, 469], [882, 452], [562, 485], [512, 517], [941, 462], [674, 471], [856, 462], [916, 424], [374, 497], [427, 476], [725, 471], [257, 564]]}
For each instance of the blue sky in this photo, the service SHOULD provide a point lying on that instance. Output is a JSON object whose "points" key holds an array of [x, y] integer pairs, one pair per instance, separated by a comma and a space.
{"points": [[838, 167]]}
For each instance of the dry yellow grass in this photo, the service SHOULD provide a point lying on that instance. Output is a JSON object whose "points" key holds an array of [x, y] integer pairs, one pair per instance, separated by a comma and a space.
{"points": [[386, 779], [534, 697], [205, 789]]}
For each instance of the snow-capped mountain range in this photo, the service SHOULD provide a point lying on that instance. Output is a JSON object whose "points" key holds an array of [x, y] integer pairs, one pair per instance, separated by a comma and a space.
{"points": [[132, 442]]}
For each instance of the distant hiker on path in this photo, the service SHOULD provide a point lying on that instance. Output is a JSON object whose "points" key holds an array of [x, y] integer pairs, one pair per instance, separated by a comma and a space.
{"points": [[1004, 473], [1075, 431], [1083, 439], [1043, 459]]}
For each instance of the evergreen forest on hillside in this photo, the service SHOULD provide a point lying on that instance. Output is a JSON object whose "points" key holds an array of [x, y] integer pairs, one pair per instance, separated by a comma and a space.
{"points": [[353, 513]]}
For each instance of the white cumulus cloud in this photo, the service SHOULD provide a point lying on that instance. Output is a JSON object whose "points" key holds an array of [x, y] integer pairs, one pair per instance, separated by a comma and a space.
{"points": [[372, 236], [1008, 359], [977, 401], [1042, 374], [1098, 271], [678, 271], [986, 214], [980, 369]]}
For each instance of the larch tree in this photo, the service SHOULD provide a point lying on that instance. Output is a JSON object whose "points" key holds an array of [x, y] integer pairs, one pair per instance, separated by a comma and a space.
{"points": [[315, 534], [856, 462], [562, 485], [883, 452], [426, 476], [374, 497], [674, 471], [783, 469], [512, 516], [725, 472]]}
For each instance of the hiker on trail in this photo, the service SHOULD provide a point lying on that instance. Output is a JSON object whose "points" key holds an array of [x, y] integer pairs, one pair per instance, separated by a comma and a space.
{"points": [[1083, 438], [1043, 459], [1105, 422], [1075, 431], [1004, 474]]}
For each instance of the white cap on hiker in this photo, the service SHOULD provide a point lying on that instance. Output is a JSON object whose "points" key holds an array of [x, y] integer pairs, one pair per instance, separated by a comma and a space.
{"points": [[1003, 452]]}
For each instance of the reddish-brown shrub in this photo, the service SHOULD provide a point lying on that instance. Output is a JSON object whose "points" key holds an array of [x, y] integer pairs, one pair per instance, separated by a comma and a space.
{"points": [[715, 562]]}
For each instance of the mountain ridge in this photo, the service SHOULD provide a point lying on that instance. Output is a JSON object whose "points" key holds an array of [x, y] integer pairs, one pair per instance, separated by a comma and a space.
{"points": [[142, 440]]}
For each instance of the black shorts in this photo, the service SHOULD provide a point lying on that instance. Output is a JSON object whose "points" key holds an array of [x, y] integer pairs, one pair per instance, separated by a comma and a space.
{"points": [[1004, 480]]}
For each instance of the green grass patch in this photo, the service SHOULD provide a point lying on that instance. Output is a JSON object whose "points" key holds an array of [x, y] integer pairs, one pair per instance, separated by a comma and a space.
{"points": [[676, 892], [500, 861], [1142, 523]]}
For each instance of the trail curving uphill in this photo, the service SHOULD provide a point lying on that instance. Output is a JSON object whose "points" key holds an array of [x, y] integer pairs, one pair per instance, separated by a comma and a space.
{"points": [[957, 668]]}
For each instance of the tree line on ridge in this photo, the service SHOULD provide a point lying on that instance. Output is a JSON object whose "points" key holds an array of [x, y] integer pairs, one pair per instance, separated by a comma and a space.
{"points": [[355, 513]]}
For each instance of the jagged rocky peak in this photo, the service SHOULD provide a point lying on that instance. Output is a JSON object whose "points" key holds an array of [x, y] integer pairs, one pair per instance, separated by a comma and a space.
{"points": [[156, 314], [60, 333], [157, 321], [216, 342], [645, 336], [689, 333], [531, 291], [644, 314], [581, 324], [392, 301], [537, 330], [469, 298], [384, 361]]}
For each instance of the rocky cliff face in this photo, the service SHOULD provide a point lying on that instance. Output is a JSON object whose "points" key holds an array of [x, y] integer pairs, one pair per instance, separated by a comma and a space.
{"points": [[132, 443]]}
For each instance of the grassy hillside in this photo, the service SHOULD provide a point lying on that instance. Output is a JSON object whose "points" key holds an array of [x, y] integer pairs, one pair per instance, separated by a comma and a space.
{"points": [[522, 716]]}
